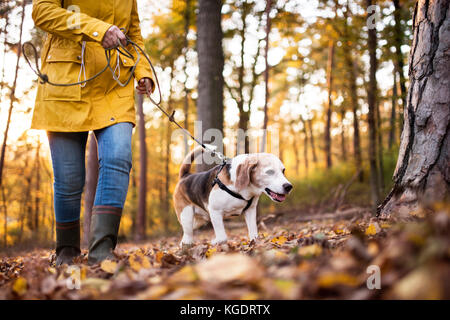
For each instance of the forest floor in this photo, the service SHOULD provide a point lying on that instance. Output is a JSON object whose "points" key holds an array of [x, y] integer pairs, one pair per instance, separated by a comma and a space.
{"points": [[298, 256]]}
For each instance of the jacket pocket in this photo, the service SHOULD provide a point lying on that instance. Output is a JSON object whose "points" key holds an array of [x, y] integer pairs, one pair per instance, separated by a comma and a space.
{"points": [[63, 66], [126, 65]]}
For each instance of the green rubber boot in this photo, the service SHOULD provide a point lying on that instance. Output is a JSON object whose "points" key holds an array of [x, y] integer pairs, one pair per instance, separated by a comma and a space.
{"points": [[105, 223], [67, 242]]}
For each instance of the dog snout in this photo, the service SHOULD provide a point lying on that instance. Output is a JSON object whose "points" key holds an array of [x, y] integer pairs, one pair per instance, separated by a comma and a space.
{"points": [[287, 187]]}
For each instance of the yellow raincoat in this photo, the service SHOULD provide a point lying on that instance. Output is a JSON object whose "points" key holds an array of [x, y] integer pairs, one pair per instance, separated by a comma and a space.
{"points": [[100, 102]]}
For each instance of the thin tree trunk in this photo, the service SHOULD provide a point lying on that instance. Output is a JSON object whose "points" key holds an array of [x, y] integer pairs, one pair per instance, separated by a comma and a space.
{"points": [[91, 185], [186, 90], [351, 71], [371, 99], [305, 144], [12, 97], [422, 176], [330, 66], [266, 76], [398, 34], [244, 116], [4, 52], [210, 62], [5, 217], [311, 137], [379, 146], [343, 144], [393, 118], [167, 155], [142, 197], [37, 191]]}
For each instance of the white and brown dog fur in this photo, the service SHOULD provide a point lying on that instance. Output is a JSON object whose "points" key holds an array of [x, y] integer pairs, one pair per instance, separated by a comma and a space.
{"points": [[249, 175]]}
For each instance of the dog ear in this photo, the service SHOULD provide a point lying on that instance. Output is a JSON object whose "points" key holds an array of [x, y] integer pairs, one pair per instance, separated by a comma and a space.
{"points": [[243, 173]]}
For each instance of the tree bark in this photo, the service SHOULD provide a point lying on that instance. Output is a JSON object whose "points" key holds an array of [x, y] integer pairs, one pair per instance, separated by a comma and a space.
{"points": [[343, 144], [329, 111], [422, 174], [91, 185], [393, 118], [371, 100], [210, 62]]}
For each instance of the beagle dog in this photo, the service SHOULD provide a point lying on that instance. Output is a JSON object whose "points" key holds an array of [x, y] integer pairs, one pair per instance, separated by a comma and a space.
{"points": [[226, 190]]}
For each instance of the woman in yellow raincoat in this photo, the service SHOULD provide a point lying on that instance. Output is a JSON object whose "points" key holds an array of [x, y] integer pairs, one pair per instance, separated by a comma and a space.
{"points": [[78, 31]]}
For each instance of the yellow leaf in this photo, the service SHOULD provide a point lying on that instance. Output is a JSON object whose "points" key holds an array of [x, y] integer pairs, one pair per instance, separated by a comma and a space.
{"points": [[159, 256], [138, 261], [210, 252], [108, 266], [20, 286], [310, 251], [328, 280], [279, 240], [51, 270], [371, 230]]}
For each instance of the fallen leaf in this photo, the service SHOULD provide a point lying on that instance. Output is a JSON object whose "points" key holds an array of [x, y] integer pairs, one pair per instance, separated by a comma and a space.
{"points": [[210, 252], [138, 261], [222, 268], [20, 286], [279, 240], [328, 280], [310, 251], [108, 266]]}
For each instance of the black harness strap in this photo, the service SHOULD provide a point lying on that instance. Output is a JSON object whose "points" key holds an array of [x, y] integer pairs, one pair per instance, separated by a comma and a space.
{"points": [[227, 190]]}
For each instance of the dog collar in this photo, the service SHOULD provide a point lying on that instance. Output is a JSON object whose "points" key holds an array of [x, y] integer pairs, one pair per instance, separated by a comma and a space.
{"points": [[228, 190]]}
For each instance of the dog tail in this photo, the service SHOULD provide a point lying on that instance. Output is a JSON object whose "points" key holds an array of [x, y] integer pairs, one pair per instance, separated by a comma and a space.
{"points": [[190, 157]]}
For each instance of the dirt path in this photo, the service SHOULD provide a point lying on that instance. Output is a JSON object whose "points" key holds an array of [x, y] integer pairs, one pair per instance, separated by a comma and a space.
{"points": [[336, 256]]}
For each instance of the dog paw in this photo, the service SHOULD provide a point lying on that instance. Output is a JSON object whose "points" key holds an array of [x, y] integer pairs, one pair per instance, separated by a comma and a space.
{"points": [[219, 241]]}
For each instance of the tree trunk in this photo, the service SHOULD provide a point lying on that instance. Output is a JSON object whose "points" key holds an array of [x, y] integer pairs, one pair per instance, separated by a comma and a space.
{"points": [[37, 191], [166, 200], [91, 185], [393, 118], [379, 146], [266, 77], [305, 145], [371, 100], [5, 217], [210, 62], [12, 96], [343, 144], [351, 70], [329, 111], [422, 175], [142, 197], [311, 138], [187, 16]]}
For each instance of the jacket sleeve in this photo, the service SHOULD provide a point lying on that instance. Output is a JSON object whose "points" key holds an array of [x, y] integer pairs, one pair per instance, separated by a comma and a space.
{"points": [[143, 69], [52, 18]]}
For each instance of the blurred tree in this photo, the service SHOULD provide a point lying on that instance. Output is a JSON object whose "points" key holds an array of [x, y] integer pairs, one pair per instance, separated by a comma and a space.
{"points": [[210, 63]]}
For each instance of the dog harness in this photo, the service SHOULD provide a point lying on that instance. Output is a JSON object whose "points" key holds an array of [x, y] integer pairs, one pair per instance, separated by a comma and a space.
{"points": [[227, 190]]}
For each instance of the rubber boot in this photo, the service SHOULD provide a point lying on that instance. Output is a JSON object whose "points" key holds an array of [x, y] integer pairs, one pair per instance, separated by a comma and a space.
{"points": [[67, 242], [105, 223]]}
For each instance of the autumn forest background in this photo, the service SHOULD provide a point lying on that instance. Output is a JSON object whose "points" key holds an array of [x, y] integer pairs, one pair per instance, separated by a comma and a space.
{"points": [[311, 83]]}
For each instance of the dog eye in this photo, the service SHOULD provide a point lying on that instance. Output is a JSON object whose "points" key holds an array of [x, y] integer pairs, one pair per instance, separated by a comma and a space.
{"points": [[270, 172], [284, 169]]}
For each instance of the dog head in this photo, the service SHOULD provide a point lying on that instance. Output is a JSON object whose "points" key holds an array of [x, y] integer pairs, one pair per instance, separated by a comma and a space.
{"points": [[264, 172]]}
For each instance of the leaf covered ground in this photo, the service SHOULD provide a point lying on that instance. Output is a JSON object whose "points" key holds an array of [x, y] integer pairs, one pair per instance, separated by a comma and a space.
{"points": [[293, 259]]}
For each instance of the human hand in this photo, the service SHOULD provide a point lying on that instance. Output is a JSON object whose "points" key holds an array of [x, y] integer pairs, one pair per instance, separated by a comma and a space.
{"points": [[144, 85], [112, 36]]}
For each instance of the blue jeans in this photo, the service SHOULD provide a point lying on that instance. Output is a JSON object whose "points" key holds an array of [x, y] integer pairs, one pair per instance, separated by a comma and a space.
{"points": [[68, 159]]}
